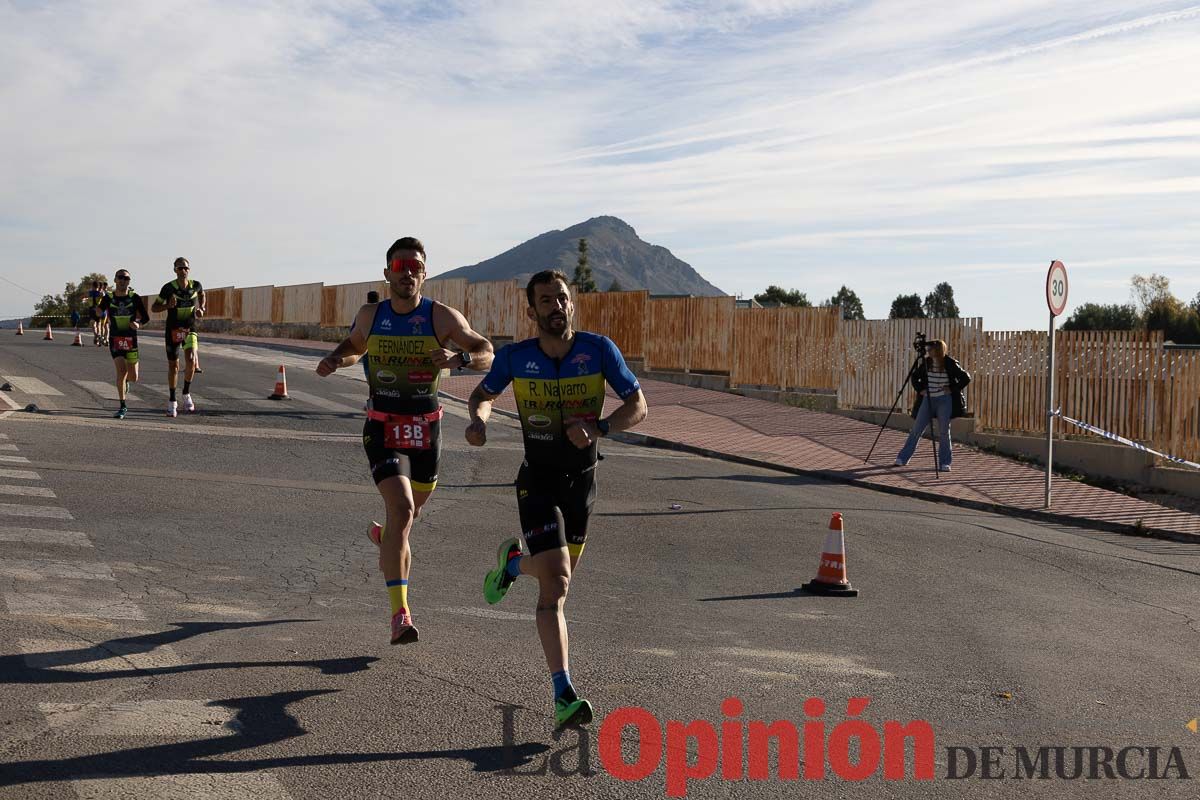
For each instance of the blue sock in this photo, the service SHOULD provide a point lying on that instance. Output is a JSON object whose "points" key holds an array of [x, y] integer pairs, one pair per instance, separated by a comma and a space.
{"points": [[513, 567], [562, 686]]}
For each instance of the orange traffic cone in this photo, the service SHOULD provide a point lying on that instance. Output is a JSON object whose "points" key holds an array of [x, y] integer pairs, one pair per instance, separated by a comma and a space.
{"points": [[20, 329], [49, 337], [831, 572], [281, 386], [78, 340]]}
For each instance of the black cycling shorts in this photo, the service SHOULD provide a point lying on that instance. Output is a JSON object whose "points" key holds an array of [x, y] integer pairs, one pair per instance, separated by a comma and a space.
{"points": [[419, 466], [190, 340], [555, 508]]}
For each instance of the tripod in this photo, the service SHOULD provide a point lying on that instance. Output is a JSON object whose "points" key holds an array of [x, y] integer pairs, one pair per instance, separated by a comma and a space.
{"points": [[933, 440]]}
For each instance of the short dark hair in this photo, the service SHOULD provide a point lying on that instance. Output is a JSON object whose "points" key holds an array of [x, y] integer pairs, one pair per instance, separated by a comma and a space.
{"points": [[545, 276], [372, 297], [405, 243], [181, 261]]}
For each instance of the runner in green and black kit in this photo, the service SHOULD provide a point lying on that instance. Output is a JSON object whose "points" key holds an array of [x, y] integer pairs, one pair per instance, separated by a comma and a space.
{"points": [[558, 380], [125, 311], [403, 340], [183, 300]]}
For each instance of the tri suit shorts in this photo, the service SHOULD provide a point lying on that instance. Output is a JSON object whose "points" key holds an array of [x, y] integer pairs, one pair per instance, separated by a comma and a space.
{"points": [[555, 507], [180, 336], [420, 466]]}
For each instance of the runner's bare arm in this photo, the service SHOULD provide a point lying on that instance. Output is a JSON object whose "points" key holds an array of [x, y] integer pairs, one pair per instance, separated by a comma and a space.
{"points": [[479, 407], [352, 347], [201, 304], [459, 331]]}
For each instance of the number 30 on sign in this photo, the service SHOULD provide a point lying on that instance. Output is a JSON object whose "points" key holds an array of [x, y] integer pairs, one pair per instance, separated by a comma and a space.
{"points": [[1056, 288]]}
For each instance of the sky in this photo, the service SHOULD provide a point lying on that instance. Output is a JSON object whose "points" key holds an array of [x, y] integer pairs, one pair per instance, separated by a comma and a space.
{"points": [[886, 145]]}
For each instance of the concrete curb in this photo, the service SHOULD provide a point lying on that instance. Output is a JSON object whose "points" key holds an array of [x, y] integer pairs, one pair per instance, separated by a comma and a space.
{"points": [[644, 440]]}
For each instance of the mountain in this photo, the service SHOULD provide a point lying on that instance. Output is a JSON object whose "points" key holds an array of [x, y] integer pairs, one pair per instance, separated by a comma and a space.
{"points": [[614, 253]]}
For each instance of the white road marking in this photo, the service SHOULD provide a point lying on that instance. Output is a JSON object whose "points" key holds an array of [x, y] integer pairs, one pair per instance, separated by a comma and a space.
{"points": [[11, 448], [104, 390], [487, 613], [165, 391], [182, 719], [79, 656], [15, 459], [30, 604], [210, 786], [3, 435], [40, 536], [40, 569], [321, 402], [250, 398], [23, 474], [26, 491], [27, 385], [47, 512]]}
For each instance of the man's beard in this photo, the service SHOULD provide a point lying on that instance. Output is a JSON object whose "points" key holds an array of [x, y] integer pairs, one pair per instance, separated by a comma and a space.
{"points": [[547, 325], [405, 292]]}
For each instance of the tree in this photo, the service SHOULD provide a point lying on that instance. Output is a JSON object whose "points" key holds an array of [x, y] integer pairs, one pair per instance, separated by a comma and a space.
{"points": [[615, 286], [852, 307], [907, 306], [940, 302], [58, 307], [1163, 311], [778, 296], [584, 282], [1148, 290], [1097, 317]]}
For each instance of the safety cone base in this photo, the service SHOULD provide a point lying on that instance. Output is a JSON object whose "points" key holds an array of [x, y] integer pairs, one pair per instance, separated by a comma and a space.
{"points": [[279, 397], [829, 589]]}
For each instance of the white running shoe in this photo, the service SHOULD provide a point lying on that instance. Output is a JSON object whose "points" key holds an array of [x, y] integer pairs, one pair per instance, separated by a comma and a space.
{"points": [[188, 405], [172, 408]]}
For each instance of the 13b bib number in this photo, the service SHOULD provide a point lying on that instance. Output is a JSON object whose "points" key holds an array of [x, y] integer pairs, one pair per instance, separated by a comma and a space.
{"points": [[414, 434]]}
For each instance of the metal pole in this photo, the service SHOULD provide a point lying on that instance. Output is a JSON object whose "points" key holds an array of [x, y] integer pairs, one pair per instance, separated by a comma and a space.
{"points": [[1050, 414]]}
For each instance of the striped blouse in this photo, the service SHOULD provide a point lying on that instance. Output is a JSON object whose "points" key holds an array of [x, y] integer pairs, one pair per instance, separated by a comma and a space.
{"points": [[939, 382]]}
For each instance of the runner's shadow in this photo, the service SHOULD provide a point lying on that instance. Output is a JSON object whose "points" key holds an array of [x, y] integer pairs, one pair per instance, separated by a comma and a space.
{"points": [[45, 668], [764, 596], [259, 721]]}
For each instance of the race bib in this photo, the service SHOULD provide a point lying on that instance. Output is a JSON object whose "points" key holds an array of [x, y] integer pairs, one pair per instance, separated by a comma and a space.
{"points": [[411, 434], [122, 344], [179, 334]]}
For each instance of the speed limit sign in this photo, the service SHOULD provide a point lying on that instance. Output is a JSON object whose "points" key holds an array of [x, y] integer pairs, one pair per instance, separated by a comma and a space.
{"points": [[1056, 288]]}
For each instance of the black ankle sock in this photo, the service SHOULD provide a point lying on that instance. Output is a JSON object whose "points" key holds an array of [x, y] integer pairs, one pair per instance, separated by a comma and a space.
{"points": [[172, 394], [187, 386]]}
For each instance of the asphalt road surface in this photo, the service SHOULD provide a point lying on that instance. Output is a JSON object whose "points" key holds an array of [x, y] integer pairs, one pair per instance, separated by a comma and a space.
{"points": [[191, 608]]}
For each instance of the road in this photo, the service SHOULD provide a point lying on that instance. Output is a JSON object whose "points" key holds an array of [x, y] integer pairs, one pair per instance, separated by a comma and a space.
{"points": [[191, 608]]}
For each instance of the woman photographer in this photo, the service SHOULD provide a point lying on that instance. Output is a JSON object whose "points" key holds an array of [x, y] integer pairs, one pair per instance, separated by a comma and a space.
{"points": [[939, 382]]}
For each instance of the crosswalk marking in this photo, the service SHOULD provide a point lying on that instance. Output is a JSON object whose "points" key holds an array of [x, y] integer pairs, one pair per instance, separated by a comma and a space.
{"points": [[26, 491], [47, 512], [36, 604], [165, 391], [12, 448], [23, 474], [40, 536], [15, 459], [3, 435], [256, 400], [184, 719], [321, 402], [211, 786], [40, 569], [27, 385], [112, 656], [105, 390]]}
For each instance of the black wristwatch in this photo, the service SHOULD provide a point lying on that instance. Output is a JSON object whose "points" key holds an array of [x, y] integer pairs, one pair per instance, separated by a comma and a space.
{"points": [[465, 358], [602, 426]]}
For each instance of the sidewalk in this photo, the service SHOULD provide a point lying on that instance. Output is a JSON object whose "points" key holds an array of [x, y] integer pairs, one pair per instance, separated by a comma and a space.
{"points": [[800, 441]]}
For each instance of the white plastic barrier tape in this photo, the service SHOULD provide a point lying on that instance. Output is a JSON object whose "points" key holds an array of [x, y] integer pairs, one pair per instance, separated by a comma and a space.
{"points": [[1093, 429]]}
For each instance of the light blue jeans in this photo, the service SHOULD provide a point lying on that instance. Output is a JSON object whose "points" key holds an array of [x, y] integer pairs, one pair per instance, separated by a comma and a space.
{"points": [[941, 407]]}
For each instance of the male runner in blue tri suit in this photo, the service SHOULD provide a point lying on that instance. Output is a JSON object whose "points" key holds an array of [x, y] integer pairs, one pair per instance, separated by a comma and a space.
{"points": [[558, 379]]}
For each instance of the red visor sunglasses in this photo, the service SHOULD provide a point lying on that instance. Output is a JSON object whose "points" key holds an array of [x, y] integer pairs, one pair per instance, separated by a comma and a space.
{"points": [[413, 266]]}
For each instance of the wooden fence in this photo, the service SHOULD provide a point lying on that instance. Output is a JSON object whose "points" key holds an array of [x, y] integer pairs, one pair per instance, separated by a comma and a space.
{"points": [[1123, 382]]}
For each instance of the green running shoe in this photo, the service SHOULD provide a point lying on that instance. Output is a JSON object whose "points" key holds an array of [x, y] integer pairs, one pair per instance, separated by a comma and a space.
{"points": [[496, 584], [576, 712]]}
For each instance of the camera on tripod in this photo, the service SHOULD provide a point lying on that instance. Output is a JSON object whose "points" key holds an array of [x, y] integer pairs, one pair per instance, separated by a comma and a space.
{"points": [[919, 344]]}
